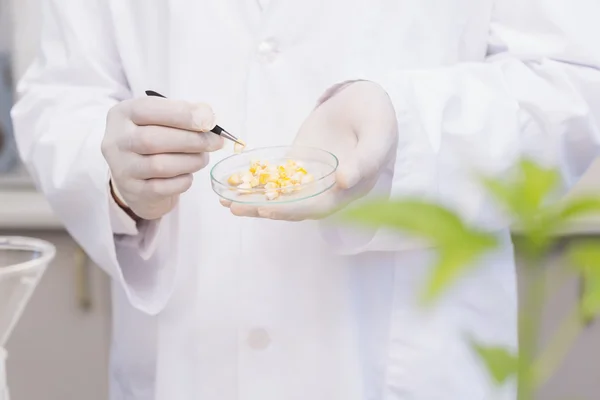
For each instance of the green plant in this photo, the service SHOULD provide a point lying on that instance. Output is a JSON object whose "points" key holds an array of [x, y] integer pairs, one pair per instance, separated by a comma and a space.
{"points": [[526, 197]]}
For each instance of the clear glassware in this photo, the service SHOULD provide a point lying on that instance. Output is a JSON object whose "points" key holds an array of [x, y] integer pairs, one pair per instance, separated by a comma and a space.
{"points": [[319, 163], [22, 264]]}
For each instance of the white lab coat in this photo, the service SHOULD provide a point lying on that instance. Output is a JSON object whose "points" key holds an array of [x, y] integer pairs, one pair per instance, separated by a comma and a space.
{"points": [[209, 306]]}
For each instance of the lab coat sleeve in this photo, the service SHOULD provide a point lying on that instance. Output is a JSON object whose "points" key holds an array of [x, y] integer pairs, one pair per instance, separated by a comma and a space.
{"points": [[59, 123], [142, 235], [536, 95]]}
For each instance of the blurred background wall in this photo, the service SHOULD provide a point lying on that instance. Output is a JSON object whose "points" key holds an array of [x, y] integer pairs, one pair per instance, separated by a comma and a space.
{"points": [[59, 350]]}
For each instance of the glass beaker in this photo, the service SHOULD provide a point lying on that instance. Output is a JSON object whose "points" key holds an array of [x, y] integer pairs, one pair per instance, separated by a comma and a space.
{"points": [[22, 264]]}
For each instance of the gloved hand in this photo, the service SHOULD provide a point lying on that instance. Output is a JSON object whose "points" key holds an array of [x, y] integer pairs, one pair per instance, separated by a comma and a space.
{"points": [[358, 124], [153, 146]]}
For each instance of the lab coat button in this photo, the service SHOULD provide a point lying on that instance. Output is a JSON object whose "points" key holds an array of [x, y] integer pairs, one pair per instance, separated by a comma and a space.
{"points": [[259, 339], [267, 50]]}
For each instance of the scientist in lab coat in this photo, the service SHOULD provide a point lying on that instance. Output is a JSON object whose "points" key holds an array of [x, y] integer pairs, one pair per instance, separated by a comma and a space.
{"points": [[410, 94]]}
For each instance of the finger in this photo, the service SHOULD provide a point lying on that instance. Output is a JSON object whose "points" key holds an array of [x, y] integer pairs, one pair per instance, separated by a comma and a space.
{"points": [[347, 174], [314, 208], [357, 169], [377, 134], [171, 113], [169, 165], [225, 203], [292, 212], [243, 210], [168, 187], [155, 139], [285, 212], [371, 154]]}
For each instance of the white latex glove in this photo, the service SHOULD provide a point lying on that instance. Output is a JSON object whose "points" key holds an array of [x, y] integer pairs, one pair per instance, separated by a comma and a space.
{"points": [[153, 146], [358, 124]]}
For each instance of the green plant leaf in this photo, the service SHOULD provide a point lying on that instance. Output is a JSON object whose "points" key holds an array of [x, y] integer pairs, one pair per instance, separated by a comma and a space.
{"points": [[425, 220], [580, 207], [539, 232], [452, 262], [585, 256], [503, 193], [457, 245], [524, 194], [500, 363], [537, 184]]}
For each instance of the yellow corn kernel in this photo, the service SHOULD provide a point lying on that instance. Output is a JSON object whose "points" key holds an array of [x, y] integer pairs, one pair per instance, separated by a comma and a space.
{"points": [[239, 147], [272, 195], [247, 177], [271, 186], [301, 170], [264, 178], [271, 170], [307, 178], [255, 165], [296, 178], [272, 178], [287, 189], [245, 188], [234, 180], [283, 181]]}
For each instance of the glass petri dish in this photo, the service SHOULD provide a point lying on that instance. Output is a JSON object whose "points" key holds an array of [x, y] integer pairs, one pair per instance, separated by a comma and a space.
{"points": [[319, 163]]}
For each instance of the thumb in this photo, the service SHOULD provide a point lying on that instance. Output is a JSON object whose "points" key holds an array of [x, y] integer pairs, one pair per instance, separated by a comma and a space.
{"points": [[365, 162], [375, 147], [348, 174]]}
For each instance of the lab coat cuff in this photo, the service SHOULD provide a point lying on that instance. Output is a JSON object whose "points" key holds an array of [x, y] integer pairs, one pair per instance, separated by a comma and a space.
{"points": [[335, 89], [143, 234], [396, 88], [121, 223], [146, 240], [347, 239]]}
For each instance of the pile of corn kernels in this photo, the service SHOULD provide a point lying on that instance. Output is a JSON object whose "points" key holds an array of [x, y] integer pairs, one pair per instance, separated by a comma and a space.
{"points": [[276, 180]]}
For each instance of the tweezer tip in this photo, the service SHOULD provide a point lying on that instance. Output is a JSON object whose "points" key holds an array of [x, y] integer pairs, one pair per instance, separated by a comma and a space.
{"points": [[231, 137]]}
